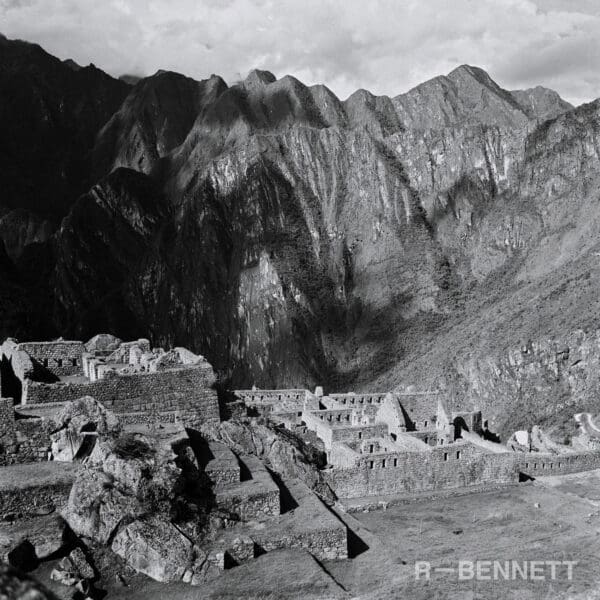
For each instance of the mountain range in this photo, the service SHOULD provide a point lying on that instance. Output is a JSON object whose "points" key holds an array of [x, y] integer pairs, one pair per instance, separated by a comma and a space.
{"points": [[447, 237]]}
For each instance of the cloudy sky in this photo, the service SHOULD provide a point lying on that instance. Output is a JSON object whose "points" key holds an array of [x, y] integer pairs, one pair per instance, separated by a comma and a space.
{"points": [[386, 46]]}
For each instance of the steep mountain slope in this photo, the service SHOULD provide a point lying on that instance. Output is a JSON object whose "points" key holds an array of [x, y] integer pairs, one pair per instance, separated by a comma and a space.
{"points": [[49, 116], [541, 103], [293, 238], [154, 119], [466, 96]]}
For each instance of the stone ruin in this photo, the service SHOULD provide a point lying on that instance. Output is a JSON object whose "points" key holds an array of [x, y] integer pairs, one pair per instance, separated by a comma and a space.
{"points": [[401, 444], [125, 441]]}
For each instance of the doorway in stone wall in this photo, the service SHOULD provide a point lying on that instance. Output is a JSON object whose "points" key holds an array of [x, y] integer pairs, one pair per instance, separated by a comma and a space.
{"points": [[10, 384]]}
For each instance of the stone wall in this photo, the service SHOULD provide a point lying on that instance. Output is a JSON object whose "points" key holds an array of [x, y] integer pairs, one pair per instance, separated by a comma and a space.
{"points": [[325, 544], [256, 498], [341, 455], [330, 431], [455, 466], [310, 526], [358, 432], [353, 399], [60, 357], [223, 466], [272, 396], [429, 437], [186, 391], [419, 408], [537, 465], [22, 440]]}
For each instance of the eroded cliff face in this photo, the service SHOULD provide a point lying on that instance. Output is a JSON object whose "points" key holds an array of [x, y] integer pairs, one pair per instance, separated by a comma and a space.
{"points": [[293, 238], [543, 382]]}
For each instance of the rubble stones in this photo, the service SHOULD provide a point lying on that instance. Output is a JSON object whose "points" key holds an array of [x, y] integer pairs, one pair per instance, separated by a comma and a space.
{"points": [[81, 564], [15, 585]]}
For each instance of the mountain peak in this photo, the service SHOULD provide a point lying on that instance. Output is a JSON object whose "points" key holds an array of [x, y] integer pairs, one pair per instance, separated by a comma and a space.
{"points": [[257, 77], [69, 62], [541, 102], [470, 70], [467, 73]]}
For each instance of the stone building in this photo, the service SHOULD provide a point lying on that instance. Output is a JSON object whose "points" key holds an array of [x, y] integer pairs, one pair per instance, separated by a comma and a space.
{"points": [[135, 381], [404, 443]]}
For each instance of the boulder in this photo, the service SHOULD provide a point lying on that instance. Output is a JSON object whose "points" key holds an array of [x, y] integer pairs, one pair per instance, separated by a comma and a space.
{"points": [[64, 576], [154, 547], [140, 466], [124, 479], [79, 424], [95, 507]]}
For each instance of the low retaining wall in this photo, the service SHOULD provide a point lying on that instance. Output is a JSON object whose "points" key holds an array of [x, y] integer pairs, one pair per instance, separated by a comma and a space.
{"points": [[310, 526], [326, 544], [255, 498]]}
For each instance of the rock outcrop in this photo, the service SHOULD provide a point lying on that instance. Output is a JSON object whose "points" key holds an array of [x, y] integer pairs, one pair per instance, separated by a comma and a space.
{"points": [[282, 452], [123, 480], [79, 424], [144, 501]]}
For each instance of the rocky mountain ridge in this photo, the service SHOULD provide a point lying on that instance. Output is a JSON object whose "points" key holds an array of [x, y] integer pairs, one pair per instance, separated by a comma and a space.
{"points": [[294, 238]]}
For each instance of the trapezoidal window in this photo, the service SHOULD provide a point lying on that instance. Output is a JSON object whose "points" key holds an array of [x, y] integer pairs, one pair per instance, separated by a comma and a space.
{"points": [[383, 464], [445, 456], [395, 462], [458, 454], [74, 361], [370, 464]]}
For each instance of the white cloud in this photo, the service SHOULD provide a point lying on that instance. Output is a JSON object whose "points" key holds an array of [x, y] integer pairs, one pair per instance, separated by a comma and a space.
{"points": [[386, 46]]}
